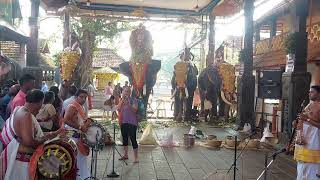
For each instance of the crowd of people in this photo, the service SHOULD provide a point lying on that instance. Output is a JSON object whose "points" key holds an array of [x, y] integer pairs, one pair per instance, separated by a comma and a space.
{"points": [[29, 117]]}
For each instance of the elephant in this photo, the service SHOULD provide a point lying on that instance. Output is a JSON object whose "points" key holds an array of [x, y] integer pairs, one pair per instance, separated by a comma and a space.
{"points": [[149, 80], [211, 86], [184, 83]]}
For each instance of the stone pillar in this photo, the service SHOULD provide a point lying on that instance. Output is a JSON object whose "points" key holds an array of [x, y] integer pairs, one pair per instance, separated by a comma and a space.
{"points": [[296, 84], [273, 27], [210, 56], [32, 46], [247, 82]]}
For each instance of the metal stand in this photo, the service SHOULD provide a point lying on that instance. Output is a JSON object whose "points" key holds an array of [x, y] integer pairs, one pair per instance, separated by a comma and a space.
{"points": [[94, 160], [267, 165], [234, 164], [114, 174]]}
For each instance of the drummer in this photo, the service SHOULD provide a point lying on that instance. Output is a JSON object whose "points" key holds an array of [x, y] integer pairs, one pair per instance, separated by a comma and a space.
{"points": [[76, 120], [21, 136]]}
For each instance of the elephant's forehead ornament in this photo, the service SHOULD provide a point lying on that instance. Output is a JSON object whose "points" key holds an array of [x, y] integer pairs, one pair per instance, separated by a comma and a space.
{"points": [[141, 45], [227, 74]]}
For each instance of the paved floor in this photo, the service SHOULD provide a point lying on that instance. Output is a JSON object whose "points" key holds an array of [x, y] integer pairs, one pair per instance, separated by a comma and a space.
{"points": [[195, 163], [183, 164]]}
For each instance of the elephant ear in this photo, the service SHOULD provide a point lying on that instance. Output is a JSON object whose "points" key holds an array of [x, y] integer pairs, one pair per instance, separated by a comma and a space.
{"points": [[125, 69], [154, 66]]}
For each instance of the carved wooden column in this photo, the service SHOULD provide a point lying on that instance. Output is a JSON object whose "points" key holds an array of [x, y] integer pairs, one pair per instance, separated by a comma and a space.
{"points": [[296, 84], [317, 74], [257, 33], [66, 28], [247, 84], [32, 46], [273, 27], [210, 56]]}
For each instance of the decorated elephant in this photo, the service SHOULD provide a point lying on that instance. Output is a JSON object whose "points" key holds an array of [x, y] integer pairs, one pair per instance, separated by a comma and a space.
{"points": [[141, 69], [217, 84], [184, 83]]}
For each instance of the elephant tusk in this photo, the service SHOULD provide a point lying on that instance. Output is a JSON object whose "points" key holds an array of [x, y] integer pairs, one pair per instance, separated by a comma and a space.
{"points": [[186, 91], [144, 91], [225, 99], [174, 93]]}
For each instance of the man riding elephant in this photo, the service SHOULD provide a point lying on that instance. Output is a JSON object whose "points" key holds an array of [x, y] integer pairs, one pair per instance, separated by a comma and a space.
{"points": [[184, 83]]}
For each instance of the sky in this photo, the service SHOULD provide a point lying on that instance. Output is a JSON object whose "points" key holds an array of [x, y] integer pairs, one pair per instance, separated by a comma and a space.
{"points": [[167, 38]]}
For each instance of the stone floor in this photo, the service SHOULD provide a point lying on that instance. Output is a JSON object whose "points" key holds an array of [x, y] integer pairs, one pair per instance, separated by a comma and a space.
{"points": [[195, 163], [183, 164]]}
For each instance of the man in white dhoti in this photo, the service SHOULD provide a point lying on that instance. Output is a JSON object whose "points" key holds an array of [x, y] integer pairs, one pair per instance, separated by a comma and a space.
{"points": [[76, 120], [21, 136], [307, 155]]}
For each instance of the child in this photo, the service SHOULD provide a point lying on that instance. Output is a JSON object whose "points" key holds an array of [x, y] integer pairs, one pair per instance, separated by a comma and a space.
{"points": [[207, 108], [110, 106]]}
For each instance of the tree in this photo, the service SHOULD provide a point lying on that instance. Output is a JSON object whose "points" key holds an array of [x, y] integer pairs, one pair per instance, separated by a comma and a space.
{"points": [[92, 31]]}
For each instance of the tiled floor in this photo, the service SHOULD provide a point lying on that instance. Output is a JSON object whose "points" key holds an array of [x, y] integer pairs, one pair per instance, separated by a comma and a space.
{"points": [[196, 163]]}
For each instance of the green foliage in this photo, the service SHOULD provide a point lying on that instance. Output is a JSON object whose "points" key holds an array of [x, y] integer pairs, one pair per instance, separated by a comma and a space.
{"points": [[104, 30], [56, 58], [290, 43], [243, 55]]}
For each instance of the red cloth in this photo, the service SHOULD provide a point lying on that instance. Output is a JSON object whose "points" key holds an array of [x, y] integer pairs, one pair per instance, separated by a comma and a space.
{"points": [[18, 100], [90, 102]]}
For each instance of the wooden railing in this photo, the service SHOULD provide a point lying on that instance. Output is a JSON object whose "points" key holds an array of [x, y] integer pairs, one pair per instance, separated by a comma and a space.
{"points": [[276, 43]]}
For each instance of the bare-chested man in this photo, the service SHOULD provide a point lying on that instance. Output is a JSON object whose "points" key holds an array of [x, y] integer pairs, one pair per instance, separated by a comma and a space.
{"points": [[307, 154], [21, 136], [75, 119]]}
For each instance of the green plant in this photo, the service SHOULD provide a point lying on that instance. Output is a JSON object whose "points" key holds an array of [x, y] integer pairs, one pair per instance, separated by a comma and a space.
{"points": [[290, 43], [243, 55]]}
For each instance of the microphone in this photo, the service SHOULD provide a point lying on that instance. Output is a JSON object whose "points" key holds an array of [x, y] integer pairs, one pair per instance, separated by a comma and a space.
{"points": [[278, 152]]}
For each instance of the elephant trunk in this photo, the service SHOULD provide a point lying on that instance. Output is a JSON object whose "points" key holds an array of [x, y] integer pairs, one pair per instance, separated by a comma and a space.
{"points": [[144, 91]]}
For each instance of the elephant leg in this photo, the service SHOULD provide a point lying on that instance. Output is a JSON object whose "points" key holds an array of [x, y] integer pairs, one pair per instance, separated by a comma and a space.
{"points": [[177, 108], [189, 102], [222, 106], [214, 100]]}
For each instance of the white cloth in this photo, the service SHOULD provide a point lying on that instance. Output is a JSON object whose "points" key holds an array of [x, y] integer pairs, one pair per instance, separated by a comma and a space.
{"points": [[17, 170], [91, 90], [46, 111], [82, 165], [308, 171], [110, 108]]}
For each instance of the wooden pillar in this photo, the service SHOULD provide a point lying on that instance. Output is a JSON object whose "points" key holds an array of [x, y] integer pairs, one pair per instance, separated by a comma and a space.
{"points": [[66, 32], [32, 46], [247, 82], [317, 74], [257, 33], [298, 81], [33, 61], [273, 27], [210, 56]]}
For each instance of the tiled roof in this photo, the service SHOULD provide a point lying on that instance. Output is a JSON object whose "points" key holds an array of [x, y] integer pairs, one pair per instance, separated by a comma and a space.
{"points": [[104, 57]]}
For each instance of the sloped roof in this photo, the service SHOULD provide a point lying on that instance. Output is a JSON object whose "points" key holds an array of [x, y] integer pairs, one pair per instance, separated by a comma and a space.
{"points": [[104, 57], [46, 63], [104, 70]]}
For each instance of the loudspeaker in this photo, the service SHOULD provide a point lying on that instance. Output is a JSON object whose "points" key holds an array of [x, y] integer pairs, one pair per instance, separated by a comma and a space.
{"points": [[269, 84]]}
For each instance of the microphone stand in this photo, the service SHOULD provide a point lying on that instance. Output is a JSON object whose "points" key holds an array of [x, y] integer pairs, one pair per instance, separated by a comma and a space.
{"points": [[266, 165], [94, 159], [114, 174], [234, 165]]}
